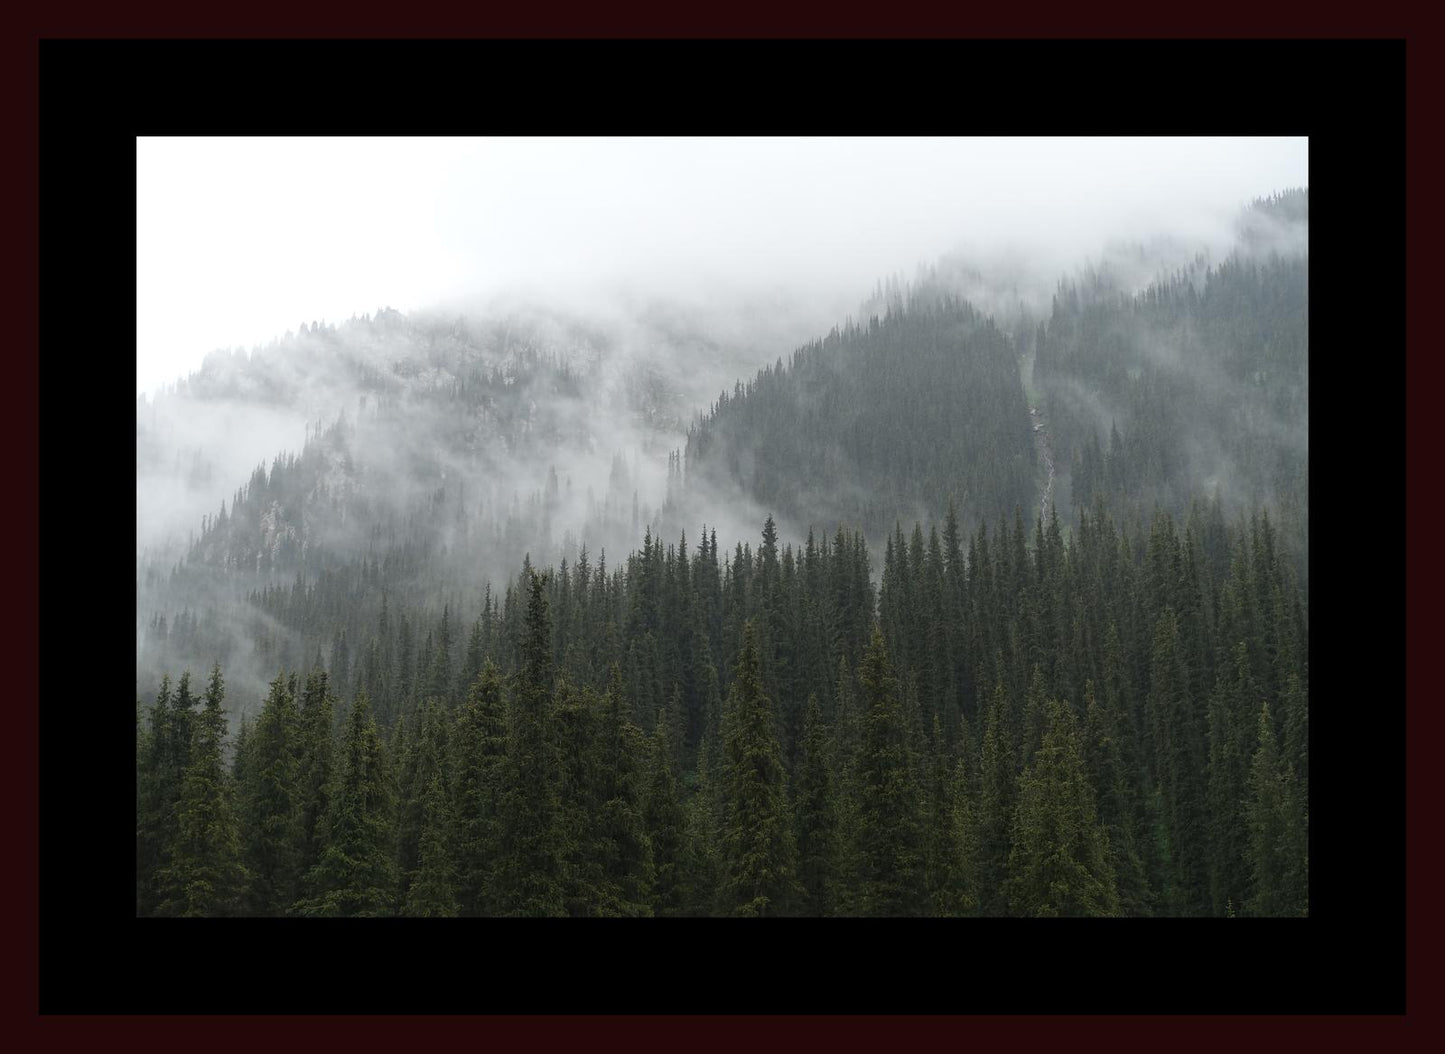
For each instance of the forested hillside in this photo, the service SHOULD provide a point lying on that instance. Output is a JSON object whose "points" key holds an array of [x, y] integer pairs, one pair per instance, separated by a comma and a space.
{"points": [[1200, 382], [492, 641], [432, 455], [877, 423], [1014, 725]]}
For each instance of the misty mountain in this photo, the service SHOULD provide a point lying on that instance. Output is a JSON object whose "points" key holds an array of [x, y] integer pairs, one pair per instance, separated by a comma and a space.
{"points": [[1156, 375], [512, 626], [878, 423], [530, 383], [434, 453], [451, 445], [1197, 383]]}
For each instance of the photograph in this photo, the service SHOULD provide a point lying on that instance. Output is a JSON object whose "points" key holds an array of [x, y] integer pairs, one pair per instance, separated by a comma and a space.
{"points": [[722, 526]]}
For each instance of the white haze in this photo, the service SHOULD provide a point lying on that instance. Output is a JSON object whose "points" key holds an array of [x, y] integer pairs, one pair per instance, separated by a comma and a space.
{"points": [[686, 265], [240, 240]]}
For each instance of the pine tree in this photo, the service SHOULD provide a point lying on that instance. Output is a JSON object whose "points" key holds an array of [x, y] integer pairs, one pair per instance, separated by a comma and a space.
{"points": [[627, 860], [890, 829], [943, 853], [1179, 756], [476, 655], [675, 717], [530, 861], [584, 846], [705, 812], [1231, 746], [665, 819], [480, 743], [142, 748], [432, 893], [203, 875], [315, 772], [1059, 864], [162, 768], [270, 804], [994, 814], [759, 855], [1297, 730], [965, 885], [1278, 843], [1116, 802], [1162, 644], [439, 672], [340, 665], [817, 822], [420, 759], [356, 875]]}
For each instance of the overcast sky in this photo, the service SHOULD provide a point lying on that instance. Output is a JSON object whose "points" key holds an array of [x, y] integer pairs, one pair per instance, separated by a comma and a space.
{"points": [[239, 240]]}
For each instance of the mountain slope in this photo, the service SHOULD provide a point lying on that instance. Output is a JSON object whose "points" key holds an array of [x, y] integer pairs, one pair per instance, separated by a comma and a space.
{"points": [[875, 424]]}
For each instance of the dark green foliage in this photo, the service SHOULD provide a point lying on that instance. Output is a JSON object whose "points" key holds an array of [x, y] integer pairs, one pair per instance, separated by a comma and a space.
{"points": [[620, 824], [816, 816], [432, 891], [315, 768], [1232, 741], [1179, 757], [993, 815], [895, 790], [757, 838], [1118, 806], [202, 874], [706, 810], [1279, 847], [161, 772], [945, 822], [852, 770], [421, 760], [666, 822], [480, 745], [890, 830], [583, 844], [439, 671], [1296, 752], [530, 864], [962, 889], [356, 875], [1059, 864], [142, 866], [270, 809]]}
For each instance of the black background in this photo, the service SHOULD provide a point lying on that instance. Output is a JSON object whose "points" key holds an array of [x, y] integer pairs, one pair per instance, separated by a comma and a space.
{"points": [[1348, 97]]}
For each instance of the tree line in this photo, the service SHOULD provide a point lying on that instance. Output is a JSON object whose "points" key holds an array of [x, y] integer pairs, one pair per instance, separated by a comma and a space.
{"points": [[1199, 380], [1011, 723], [899, 416]]}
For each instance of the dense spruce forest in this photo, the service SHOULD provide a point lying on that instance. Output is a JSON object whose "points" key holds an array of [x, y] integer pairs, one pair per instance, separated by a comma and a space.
{"points": [[1012, 725], [922, 406], [1205, 376], [1018, 625]]}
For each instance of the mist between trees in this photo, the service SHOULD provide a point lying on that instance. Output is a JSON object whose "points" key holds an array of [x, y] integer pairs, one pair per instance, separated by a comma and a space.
{"points": [[433, 691]]}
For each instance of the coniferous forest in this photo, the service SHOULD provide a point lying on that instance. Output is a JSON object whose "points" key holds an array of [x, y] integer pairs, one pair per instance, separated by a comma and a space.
{"points": [[960, 610]]}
